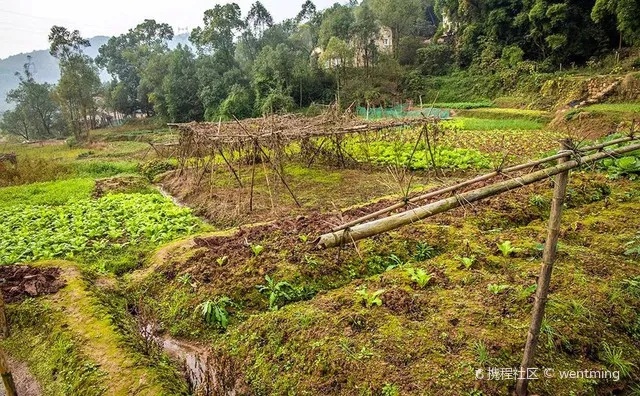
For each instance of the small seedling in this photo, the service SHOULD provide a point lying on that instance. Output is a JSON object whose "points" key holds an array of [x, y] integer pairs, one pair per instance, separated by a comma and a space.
{"points": [[256, 249], [467, 261], [482, 353], [311, 261], [215, 312], [424, 252], [612, 358], [185, 279], [497, 289], [280, 292], [369, 299], [395, 262], [303, 238], [419, 276], [506, 248], [222, 260]]}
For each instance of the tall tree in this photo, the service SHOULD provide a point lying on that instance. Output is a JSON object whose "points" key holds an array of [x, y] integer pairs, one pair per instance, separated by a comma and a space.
{"points": [[79, 82], [365, 32], [126, 56], [337, 21], [181, 87], [35, 105], [401, 16], [258, 18], [307, 11], [221, 24]]}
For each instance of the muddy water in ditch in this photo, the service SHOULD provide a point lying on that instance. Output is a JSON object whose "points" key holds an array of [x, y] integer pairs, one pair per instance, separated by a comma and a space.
{"points": [[206, 374], [193, 360]]}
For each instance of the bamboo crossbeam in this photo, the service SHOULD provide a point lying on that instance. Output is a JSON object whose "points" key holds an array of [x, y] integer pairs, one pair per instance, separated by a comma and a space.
{"points": [[361, 231], [486, 176]]}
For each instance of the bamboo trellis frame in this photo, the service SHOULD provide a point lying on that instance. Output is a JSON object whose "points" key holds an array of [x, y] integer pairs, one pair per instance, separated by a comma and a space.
{"points": [[359, 229], [265, 140]]}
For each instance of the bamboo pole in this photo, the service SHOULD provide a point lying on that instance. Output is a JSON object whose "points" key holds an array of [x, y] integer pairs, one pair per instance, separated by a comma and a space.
{"points": [[389, 223], [7, 377], [542, 291], [478, 179]]}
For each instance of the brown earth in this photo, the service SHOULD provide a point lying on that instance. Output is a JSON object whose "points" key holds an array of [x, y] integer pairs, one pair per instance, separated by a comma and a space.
{"points": [[18, 282]]}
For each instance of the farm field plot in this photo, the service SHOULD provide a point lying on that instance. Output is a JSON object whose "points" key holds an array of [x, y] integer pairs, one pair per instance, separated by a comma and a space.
{"points": [[171, 259]]}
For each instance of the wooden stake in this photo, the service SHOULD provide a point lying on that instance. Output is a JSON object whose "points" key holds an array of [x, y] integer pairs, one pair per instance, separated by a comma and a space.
{"points": [[542, 291], [253, 176], [7, 378]]}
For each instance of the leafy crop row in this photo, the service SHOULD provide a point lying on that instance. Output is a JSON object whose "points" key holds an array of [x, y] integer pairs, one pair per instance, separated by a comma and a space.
{"points": [[29, 233], [386, 153]]}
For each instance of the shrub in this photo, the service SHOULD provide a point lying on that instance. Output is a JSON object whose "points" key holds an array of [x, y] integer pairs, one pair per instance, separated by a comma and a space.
{"points": [[154, 168]]}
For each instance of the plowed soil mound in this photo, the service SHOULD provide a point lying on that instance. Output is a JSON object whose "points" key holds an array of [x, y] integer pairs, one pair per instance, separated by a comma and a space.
{"points": [[18, 282]]}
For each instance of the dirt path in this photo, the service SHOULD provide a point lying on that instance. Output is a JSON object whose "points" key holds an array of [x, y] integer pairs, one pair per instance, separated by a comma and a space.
{"points": [[26, 383], [100, 344]]}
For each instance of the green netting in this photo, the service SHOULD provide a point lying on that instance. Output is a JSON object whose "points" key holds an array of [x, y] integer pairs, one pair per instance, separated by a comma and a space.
{"points": [[401, 111]]}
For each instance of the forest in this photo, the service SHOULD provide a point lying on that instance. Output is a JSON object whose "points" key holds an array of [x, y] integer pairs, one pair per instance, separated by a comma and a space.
{"points": [[372, 53]]}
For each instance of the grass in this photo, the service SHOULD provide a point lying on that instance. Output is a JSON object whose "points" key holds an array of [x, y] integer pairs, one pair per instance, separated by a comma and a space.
{"points": [[47, 193], [461, 105], [103, 168], [630, 107], [71, 345], [483, 124]]}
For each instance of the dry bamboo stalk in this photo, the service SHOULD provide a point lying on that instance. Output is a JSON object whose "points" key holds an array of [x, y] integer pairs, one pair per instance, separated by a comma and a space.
{"points": [[375, 227], [542, 291], [475, 180]]}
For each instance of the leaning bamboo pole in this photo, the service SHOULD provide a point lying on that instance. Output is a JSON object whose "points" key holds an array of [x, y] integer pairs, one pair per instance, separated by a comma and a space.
{"points": [[542, 289], [486, 176], [365, 230]]}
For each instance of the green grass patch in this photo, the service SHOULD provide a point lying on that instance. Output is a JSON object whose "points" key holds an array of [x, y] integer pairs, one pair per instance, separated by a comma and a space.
{"points": [[461, 105], [506, 113], [632, 107], [90, 228], [482, 124], [50, 350], [46, 193], [100, 169]]}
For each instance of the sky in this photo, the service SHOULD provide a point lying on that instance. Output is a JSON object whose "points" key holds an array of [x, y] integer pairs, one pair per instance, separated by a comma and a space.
{"points": [[25, 24]]}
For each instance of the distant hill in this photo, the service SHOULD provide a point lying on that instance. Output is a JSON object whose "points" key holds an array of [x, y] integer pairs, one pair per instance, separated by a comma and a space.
{"points": [[46, 68]]}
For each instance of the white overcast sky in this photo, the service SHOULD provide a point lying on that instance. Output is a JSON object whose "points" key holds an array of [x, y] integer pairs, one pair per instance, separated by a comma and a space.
{"points": [[25, 24]]}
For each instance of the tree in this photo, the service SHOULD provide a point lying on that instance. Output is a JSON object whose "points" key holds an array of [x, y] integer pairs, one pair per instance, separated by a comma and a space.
{"points": [[79, 82], [151, 83], [337, 56], [401, 16], [308, 11], [627, 16], [181, 87], [272, 72], [365, 32], [36, 113], [221, 23], [16, 122], [126, 56], [337, 21], [259, 18]]}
